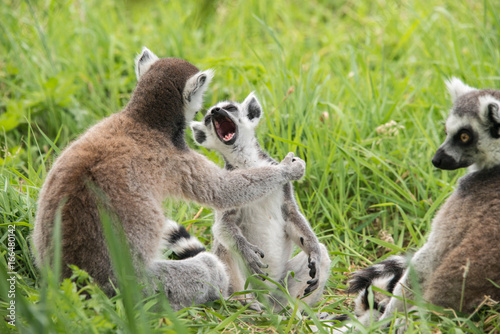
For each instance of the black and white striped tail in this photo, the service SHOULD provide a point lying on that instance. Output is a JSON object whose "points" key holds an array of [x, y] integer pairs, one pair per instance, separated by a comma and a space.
{"points": [[177, 239], [384, 275], [393, 266]]}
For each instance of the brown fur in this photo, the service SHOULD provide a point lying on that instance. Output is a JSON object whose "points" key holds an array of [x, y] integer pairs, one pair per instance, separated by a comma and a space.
{"points": [[470, 222]]}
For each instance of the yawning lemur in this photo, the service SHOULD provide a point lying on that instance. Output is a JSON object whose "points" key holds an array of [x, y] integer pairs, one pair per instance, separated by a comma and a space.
{"points": [[459, 264], [127, 164], [262, 233]]}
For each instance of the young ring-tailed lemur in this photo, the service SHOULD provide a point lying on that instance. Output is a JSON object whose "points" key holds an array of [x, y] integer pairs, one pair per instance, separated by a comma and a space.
{"points": [[263, 233], [128, 164], [459, 264]]}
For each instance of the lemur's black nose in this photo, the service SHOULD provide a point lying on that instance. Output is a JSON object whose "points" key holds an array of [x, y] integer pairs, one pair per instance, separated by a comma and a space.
{"points": [[436, 162], [442, 160]]}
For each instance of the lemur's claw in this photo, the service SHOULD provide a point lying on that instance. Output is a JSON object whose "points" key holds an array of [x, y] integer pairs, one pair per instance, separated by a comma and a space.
{"points": [[313, 285], [312, 266], [312, 281]]}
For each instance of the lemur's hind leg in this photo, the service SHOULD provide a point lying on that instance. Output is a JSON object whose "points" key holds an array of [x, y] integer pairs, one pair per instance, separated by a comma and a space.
{"points": [[195, 280], [458, 281], [236, 275], [299, 265]]}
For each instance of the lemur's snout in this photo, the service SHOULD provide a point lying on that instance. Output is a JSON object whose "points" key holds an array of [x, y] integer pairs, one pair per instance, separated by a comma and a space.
{"points": [[444, 161], [436, 161]]}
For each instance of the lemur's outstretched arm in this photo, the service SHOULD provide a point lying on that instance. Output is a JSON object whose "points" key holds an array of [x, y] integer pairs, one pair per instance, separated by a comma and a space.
{"points": [[301, 233], [230, 236], [208, 184]]}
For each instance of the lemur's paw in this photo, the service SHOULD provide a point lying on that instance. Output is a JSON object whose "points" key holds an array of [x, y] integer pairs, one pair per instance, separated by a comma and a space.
{"points": [[256, 306], [294, 167], [313, 285], [258, 251], [401, 326], [253, 256]]}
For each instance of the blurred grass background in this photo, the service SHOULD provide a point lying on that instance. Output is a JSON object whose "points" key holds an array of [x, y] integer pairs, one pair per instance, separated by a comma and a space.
{"points": [[354, 87]]}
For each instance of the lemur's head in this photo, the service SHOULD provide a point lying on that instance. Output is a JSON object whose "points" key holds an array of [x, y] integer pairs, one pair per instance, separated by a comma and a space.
{"points": [[169, 85], [472, 129], [228, 124]]}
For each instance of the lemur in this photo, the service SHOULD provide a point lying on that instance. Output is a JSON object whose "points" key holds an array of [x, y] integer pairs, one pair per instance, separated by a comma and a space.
{"points": [[459, 264], [128, 164], [261, 235]]}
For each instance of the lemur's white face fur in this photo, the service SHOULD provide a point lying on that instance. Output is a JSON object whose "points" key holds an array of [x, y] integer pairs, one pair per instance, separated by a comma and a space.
{"points": [[472, 129], [228, 124], [194, 88]]}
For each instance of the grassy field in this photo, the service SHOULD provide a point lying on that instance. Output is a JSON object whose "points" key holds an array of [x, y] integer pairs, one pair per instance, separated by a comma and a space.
{"points": [[353, 87]]}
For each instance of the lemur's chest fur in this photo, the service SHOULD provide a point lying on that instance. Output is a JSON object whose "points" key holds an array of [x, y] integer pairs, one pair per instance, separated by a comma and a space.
{"points": [[262, 222], [263, 225]]}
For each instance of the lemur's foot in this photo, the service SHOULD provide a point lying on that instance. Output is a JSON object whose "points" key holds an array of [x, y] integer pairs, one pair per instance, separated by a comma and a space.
{"points": [[250, 299]]}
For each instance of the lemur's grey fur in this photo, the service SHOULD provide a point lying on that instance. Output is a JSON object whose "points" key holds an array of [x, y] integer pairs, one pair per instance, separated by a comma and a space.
{"points": [[262, 233], [136, 158], [459, 264]]}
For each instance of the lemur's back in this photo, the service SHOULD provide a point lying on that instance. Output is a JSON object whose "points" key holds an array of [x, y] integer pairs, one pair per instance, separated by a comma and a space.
{"points": [[97, 167], [470, 222]]}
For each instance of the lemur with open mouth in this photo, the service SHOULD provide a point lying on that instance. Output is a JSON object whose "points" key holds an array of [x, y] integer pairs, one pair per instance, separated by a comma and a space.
{"points": [[260, 236]]}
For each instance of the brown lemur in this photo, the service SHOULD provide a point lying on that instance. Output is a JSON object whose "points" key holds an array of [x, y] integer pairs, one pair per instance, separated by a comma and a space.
{"points": [[259, 237], [135, 159], [459, 264]]}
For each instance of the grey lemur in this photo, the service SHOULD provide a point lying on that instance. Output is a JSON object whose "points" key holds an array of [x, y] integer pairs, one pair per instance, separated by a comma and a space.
{"points": [[260, 234], [459, 264], [136, 158]]}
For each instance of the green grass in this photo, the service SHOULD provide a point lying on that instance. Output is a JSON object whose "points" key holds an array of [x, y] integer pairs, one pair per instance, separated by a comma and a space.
{"points": [[328, 74]]}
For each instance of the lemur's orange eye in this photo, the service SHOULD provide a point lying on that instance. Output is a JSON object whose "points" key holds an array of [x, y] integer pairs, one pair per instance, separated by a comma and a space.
{"points": [[464, 137]]}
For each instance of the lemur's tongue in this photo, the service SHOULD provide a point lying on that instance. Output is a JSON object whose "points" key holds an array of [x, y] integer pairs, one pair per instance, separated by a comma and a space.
{"points": [[225, 128]]}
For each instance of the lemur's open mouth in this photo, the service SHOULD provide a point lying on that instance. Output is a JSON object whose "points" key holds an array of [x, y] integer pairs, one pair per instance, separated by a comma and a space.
{"points": [[225, 128]]}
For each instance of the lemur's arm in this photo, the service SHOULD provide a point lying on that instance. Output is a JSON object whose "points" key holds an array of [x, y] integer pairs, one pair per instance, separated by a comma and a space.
{"points": [[230, 236], [208, 184], [300, 232]]}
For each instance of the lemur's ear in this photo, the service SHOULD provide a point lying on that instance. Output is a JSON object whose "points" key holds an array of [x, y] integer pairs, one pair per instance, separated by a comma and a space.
{"points": [[197, 85], [489, 112], [199, 134], [193, 92], [457, 88], [144, 61], [252, 108]]}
